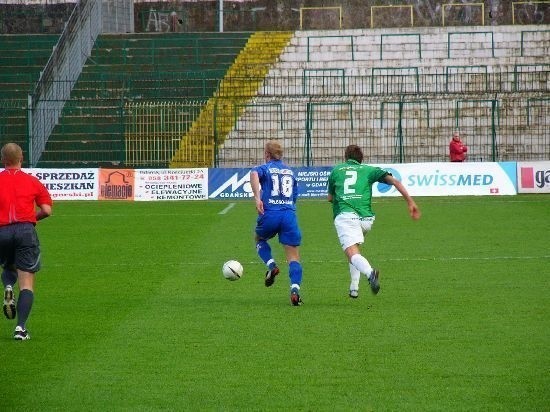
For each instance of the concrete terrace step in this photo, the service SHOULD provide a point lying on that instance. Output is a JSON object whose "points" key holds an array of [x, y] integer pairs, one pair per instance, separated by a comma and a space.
{"points": [[476, 41], [497, 64]]}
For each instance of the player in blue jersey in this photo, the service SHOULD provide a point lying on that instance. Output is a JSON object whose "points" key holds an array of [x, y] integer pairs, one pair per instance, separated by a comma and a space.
{"points": [[275, 192]]}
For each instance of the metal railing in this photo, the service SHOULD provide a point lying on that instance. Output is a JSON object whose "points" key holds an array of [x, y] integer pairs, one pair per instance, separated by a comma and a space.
{"points": [[57, 79], [481, 13], [471, 37], [395, 129], [400, 36], [529, 3], [502, 116], [392, 8], [321, 11]]}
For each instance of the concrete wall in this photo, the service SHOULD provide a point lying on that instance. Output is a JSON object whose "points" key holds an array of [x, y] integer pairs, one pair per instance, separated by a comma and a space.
{"points": [[249, 15], [285, 14]]}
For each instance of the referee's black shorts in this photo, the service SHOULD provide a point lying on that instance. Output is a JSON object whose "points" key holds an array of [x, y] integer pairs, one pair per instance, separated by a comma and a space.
{"points": [[19, 246]]}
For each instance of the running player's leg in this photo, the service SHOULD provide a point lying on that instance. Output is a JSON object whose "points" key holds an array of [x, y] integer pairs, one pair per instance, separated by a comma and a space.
{"points": [[291, 238], [266, 228]]}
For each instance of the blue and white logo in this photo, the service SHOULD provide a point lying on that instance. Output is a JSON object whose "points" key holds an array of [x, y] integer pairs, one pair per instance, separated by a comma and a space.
{"points": [[229, 183], [384, 187]]}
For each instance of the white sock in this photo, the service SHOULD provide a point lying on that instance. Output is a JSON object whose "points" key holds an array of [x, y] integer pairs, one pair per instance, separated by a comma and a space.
{"points": [[355, 276], [361, 264]]}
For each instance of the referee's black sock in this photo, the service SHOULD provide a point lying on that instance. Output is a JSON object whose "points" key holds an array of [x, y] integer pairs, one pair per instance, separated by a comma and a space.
{"points": [[9, 277], [24, 305]]}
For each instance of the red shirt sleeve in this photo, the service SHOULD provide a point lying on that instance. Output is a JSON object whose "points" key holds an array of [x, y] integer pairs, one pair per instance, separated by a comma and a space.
{"points": [[20, 193], [43, 196]]}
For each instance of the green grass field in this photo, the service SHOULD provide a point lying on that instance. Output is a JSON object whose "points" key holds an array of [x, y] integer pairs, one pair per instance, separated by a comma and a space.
{"points": [[132, 313]]}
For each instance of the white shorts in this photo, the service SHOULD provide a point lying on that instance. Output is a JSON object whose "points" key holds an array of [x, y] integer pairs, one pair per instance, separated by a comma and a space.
{"points": [[351, 228]]}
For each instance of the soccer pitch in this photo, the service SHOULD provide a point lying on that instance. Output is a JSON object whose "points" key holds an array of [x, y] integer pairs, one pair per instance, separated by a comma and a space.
{"points": [[132, 313]]}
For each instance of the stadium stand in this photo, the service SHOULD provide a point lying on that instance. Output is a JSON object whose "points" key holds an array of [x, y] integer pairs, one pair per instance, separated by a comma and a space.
{"points": [[22, 57], [400, 93], [239, 87], [132, 68], [397, 92]]}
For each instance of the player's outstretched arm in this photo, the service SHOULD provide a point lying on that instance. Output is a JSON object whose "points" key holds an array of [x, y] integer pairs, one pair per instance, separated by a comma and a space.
{"points": [[414, 211]]}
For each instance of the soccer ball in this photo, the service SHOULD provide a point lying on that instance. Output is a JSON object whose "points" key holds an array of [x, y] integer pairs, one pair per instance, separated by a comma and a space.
{"points": [[232, 270]]}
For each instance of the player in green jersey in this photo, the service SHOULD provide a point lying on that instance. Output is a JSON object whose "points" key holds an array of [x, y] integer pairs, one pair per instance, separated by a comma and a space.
{"points": [[350, 192]]}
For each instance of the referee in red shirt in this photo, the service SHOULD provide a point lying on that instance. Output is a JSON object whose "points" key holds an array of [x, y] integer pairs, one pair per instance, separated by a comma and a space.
{"points": [[20, 195]]}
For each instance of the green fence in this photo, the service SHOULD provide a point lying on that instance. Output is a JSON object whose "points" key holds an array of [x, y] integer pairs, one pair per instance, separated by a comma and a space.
{"points": [[396, 130], [406, 117]]}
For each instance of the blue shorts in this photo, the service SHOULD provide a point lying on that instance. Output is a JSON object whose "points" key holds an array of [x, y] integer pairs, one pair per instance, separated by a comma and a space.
{"points": [[19, 246], [279, 222]]}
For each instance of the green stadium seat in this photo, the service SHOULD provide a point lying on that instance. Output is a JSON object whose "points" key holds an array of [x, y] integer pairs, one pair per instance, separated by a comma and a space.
{"points": [[134, 67]]}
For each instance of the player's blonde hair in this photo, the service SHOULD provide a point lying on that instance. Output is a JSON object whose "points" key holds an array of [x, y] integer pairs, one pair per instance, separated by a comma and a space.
{"points": [[274, 149], [12, 154]]}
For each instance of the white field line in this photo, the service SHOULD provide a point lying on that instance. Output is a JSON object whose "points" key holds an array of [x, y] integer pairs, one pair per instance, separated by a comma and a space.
{"points": [[418, 259], [104, 215], [227, 209], [420, 200], [455, 258]]}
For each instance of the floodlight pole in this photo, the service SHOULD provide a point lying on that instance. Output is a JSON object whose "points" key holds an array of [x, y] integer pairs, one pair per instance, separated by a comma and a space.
{"points": [[220, 15]]}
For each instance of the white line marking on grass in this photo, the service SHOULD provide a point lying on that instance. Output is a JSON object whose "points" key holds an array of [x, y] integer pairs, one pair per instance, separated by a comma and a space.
{"points": [[204, 263], [227, 209], [65, 215], [446, 259]]}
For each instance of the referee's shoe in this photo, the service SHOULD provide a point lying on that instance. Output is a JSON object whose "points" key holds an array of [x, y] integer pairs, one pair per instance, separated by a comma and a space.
{"points": [[9, 303], [21, 334]]}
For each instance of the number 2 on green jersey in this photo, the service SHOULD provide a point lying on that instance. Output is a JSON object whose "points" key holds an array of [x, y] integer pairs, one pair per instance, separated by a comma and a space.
{"points": [[349, 182]]}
